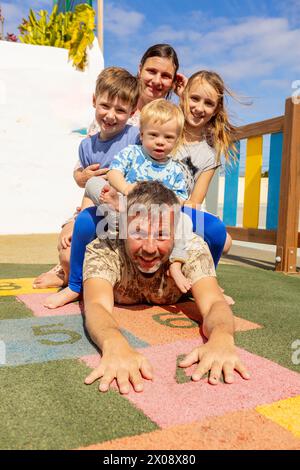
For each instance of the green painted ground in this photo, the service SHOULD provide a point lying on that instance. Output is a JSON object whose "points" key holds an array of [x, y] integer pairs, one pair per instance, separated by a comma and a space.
{"points": [[47, 406], [13, 271], [12, 308]]}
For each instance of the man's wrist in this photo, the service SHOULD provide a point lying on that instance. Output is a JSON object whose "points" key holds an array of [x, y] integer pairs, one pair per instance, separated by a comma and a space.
{"points": [[114, 341], [223, 335]]}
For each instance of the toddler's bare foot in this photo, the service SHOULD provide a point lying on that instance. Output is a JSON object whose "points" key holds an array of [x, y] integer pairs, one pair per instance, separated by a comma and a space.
{"points": [[110, 196], [228, 299], [63, 297], [53, 278]]}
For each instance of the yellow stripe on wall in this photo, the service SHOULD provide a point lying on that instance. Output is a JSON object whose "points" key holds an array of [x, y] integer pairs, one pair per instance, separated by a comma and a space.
{"points": [[252, 182]]}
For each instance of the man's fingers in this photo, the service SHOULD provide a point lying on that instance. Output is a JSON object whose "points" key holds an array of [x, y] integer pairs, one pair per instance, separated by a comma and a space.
{"points": [[94, 166], [94, 375], [136, 380], [123, 380], [190, 359], [146, 369], [106, 380], [201, 370], [215, 373], [242, 370], [228, 370]]}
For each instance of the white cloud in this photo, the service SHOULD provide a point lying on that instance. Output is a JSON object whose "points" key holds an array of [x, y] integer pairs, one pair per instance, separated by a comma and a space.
{"points": [[254, 47], [122, 22], [280, 84]]}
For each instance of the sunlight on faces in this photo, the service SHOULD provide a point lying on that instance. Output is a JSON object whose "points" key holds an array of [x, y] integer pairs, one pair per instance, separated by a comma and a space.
{"points": [[150, 236], [111, 114], [200, 105], [156, 77], [160, 139]]}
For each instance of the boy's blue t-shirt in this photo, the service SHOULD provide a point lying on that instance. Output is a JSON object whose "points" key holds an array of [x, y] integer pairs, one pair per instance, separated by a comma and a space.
{"points": [[94, 150]]}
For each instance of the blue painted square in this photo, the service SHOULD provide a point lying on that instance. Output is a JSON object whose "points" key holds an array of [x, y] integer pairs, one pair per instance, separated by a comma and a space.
{"points": [[33, 340]]}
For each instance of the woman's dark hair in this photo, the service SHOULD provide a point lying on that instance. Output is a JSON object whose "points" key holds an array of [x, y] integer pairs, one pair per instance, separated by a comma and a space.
{"points": [[165, 51]]}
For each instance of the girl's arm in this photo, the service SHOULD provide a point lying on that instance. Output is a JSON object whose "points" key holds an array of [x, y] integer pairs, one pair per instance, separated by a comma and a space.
{"points": [[201, 187]]}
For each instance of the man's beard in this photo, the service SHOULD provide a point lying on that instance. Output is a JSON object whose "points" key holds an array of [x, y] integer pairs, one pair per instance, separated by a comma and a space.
{"points": [[149, 270]]}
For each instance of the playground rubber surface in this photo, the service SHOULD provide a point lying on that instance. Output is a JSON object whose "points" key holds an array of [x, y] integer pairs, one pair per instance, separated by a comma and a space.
{"points": [[46, 355]]}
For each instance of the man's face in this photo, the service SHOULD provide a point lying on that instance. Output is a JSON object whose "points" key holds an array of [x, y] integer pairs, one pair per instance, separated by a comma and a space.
{"points": [[150, 240]]}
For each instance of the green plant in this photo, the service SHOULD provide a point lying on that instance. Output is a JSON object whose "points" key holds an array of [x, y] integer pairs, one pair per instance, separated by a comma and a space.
{"points": [[71, 30]]}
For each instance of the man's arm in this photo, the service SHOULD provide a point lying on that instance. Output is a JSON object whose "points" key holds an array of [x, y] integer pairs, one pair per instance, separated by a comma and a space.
{"points": [[218, 354], [119, 360]]}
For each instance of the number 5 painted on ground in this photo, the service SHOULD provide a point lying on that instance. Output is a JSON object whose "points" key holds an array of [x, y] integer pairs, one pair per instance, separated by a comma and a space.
{"points": [[45, 330]]}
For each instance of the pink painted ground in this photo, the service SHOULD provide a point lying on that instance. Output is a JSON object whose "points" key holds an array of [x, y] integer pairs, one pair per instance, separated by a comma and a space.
{"points": [[35, 303], [163, 400]]}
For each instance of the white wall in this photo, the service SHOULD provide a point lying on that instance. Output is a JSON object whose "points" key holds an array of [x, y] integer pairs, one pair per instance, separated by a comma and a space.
{"points": [[42, 99]]}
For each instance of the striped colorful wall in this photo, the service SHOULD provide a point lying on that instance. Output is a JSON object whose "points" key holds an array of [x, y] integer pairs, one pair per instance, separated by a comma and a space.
{"points": [[252, 184]]}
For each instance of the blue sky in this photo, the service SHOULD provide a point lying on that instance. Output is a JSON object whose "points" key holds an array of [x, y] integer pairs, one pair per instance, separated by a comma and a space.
{"points": [[253, 44]]}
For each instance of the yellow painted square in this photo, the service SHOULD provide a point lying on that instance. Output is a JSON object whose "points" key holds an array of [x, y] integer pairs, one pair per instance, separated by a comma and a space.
{"points": [[21, 286], [286, 413]]}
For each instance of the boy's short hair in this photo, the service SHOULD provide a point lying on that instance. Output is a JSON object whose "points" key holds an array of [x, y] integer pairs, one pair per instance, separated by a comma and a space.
{"points": [[161, 111], [118, 83]]}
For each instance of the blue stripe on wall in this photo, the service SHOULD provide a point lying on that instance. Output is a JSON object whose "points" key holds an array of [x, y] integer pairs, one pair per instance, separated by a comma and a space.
{"points": [[231, 190], [274, 180]]}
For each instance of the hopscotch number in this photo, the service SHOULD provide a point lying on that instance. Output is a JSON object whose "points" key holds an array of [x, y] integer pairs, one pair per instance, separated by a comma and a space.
{"points": [[9, 286], [46, 330], [174, 322]]}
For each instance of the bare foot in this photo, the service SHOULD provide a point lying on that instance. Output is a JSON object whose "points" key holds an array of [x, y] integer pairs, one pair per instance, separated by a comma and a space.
{"points": [[63, 297], [110, 196], [53, 278], [229, 299]]}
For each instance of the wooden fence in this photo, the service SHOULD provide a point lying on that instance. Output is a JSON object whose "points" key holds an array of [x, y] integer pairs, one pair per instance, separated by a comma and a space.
{"points": [[282, 211]]}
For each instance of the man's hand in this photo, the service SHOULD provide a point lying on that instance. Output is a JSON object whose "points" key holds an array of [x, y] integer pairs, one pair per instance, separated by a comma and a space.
{"points": [[216, 356], [81, 175], [125, 365]]}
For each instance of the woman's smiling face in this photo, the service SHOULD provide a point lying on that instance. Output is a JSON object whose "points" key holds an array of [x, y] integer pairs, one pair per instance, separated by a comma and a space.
{"points": [[156, 76]]}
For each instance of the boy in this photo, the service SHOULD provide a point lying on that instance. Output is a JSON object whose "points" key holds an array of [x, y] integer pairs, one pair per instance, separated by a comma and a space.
{"points": [[115, 100]]}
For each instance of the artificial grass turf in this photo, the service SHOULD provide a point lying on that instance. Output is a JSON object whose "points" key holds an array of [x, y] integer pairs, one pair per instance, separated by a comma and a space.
{"points": [[47, 406], [12, 308], [13, 271], [270, 299]]}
